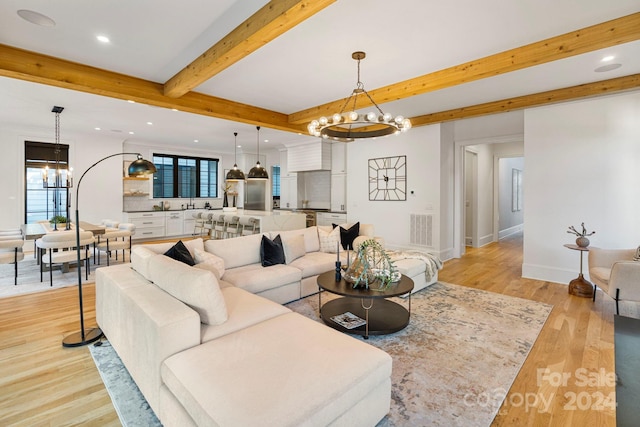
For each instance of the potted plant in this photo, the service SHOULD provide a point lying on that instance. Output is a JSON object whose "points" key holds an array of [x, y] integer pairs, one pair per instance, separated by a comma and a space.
{"points": [[582, 240], [58, 219]]}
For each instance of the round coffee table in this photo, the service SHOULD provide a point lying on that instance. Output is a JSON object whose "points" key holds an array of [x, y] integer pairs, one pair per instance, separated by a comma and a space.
{"points": [[380, 315]]}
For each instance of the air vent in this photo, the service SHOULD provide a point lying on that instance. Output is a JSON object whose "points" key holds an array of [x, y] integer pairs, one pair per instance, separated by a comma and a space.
{"points": [[421, 233]]}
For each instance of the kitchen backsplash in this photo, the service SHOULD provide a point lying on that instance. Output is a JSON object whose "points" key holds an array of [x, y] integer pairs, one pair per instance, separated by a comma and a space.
{"points": [[316, 188]]}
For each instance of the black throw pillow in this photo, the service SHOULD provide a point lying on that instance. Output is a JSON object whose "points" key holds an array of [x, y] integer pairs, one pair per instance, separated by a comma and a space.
{"points": [[348, 236], [271, 251], [179, 252]]}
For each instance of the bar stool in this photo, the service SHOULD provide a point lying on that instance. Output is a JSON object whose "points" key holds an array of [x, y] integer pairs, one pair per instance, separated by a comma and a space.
{"points": [[208, 224], [233, 227], [219, 227], [198, 227]]}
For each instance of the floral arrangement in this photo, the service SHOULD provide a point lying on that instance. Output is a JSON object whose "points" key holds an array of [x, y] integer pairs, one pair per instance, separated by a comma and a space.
{"points": [[371, 264], [583, 233], [58, 219]]}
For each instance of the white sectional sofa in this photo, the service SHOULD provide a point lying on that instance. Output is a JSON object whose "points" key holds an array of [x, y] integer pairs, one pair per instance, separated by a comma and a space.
{"points": [[211, 345]]}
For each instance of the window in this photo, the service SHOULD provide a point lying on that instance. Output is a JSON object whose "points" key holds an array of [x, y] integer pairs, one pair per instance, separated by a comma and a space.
{"points": [[185, 177], [42, 204], [275, 180]]}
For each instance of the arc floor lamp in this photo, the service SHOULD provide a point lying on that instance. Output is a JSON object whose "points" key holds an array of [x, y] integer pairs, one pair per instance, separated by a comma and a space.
{"points": [[87, 336]]}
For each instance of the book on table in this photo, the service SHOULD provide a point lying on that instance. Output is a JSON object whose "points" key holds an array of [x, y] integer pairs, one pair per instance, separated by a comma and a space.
{"points": [[348, 320]]}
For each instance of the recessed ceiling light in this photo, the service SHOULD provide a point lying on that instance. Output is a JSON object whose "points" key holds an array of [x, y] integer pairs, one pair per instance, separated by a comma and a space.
{"points": [[130, 101], [103, 39], [608, 58], [266, 140], [174, 109], [36, 18], [195, 140], [239, 146], [608, 67], [97, 128], [149, 123], [131, 132]]}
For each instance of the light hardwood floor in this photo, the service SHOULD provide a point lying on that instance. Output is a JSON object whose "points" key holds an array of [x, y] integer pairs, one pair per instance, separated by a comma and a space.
{"points": [[43, 384]]}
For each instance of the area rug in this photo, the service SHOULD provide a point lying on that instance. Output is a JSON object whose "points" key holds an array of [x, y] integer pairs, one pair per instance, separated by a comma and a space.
{"points": [[130, 404], [452, 366], [29, 276]]}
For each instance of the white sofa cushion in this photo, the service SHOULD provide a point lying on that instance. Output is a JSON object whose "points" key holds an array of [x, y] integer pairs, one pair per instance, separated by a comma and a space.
{"points": [[209, 261], [244, 309], [294, 247], [195, 287], [254, 376], [161, 248], [236, 252], [255, 278], [140, 256], [311, 241], [329, 238], [315, 263]]}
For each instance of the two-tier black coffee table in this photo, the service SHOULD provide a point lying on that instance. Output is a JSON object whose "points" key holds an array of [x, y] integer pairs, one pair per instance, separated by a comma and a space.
{"points": [[381, 315]]}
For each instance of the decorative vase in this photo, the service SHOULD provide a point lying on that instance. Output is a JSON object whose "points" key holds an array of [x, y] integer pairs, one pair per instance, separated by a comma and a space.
{"points": [[582, 242]]}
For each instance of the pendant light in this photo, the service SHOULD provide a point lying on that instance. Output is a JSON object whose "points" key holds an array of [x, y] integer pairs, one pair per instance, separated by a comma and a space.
{"points": [[258, 172], [235, 174]]}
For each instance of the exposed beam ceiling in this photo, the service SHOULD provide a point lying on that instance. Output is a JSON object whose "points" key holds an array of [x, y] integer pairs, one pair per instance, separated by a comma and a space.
{"points": [[34, 67], [274, 19], [611, 33]]}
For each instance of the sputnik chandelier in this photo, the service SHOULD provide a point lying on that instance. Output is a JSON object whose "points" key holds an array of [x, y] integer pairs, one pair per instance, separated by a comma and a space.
{"points": [[352, 125]]}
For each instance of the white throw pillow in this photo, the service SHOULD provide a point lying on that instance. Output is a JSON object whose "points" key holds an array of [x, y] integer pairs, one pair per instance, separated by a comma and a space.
{"points": [[195, 287], [209, 262], [294, 247], [329, 240]]}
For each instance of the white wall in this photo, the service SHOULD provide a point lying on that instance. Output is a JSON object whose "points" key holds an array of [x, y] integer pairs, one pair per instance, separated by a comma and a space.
{"points": [[508, 220], [391, 218], [581, 162]]}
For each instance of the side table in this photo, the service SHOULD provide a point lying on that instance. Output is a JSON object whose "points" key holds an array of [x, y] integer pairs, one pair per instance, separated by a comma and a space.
{"points": [[580, 286]]}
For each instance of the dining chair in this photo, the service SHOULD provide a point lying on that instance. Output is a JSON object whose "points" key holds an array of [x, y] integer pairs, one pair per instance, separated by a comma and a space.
{"points": [[59, 247], [11, 253], [114, 240]]}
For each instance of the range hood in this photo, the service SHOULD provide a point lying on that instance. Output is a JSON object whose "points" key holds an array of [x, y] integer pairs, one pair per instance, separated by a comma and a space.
{"points": [[315, 156]]}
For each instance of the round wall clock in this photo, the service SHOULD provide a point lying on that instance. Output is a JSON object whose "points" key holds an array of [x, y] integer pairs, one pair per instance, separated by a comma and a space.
{"points": [[388, 178]]}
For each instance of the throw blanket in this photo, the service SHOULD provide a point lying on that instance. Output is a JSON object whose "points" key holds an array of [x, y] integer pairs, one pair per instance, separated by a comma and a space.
{"points": [[433, 262]]}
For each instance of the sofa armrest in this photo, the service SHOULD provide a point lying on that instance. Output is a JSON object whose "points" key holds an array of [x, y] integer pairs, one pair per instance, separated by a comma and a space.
{"points": [[625, 276], [144, 324], [599, 257]]}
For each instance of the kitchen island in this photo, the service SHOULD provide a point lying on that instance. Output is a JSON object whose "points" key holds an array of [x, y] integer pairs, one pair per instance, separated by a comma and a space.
{"points": [[176, 223]]}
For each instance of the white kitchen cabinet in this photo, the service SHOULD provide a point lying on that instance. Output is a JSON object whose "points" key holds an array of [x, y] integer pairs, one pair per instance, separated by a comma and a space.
{"points": [[338, 157], [289, 192], [329, 218], [174, 223], [148, 224], [339, 192]]}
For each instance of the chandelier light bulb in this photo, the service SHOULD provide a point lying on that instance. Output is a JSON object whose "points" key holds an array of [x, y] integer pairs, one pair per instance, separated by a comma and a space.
{"points": [[356, 124]]}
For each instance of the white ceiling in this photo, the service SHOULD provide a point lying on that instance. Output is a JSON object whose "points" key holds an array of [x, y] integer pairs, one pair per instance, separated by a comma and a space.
{"points": [[307, 66]]}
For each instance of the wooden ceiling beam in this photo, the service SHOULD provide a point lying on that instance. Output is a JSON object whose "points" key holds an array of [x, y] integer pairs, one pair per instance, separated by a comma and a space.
{"points": [[586, 90], [611, 33], [274, 19], [37, 68]]}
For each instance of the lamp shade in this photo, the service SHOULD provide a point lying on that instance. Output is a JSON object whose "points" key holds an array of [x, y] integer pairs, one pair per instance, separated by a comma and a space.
{"points": [[235, 174], [141, 167], [258, 172]]}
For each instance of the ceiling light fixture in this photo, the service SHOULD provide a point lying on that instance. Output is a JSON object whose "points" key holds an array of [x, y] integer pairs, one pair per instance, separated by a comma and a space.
{"points": [[258, 172], [103, 39], [36, 18], [235, 174], [352, 125], [608, 58]]}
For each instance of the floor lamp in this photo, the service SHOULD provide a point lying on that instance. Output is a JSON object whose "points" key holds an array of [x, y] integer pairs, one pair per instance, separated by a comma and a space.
{"points": [[84, 337]]}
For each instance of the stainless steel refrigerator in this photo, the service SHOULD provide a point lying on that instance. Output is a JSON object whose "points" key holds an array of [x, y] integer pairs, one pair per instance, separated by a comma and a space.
{"points": [[255, 194]]}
